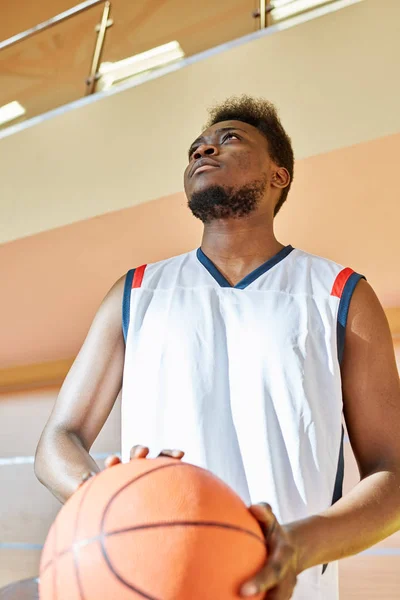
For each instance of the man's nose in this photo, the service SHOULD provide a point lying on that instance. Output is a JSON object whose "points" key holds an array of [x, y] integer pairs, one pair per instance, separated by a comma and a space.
{"points": [[205, 150]]}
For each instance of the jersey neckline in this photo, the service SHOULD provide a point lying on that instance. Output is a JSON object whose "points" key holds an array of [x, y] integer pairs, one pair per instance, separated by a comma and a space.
{"points": [[246, 281]]}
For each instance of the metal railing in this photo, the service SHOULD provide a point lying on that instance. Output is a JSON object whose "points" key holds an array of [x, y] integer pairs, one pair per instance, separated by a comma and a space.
{"points": [[267, 7], [101, 30], [265, 16]]}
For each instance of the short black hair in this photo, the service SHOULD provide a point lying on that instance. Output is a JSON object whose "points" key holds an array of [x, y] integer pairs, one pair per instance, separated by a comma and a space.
{"points": [[263, 115]]}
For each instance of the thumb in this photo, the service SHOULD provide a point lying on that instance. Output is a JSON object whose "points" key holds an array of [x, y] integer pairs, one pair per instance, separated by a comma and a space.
{"points": [[266, 579]]}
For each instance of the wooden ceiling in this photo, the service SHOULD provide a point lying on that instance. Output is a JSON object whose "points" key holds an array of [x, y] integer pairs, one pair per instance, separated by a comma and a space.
{"points": [[50, 68]]}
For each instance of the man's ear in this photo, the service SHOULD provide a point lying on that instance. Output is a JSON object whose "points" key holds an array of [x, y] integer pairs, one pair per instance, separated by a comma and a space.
{"points": [[280, 178]]}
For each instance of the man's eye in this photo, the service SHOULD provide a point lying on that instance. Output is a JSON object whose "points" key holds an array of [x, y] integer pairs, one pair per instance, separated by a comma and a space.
{"points": [[229, 136]]}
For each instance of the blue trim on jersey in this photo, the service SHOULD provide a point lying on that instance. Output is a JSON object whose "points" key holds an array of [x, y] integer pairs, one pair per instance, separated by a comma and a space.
{"points": [[344, 311], [126, 302], [338, 487], [212, 269], [223, 282]]}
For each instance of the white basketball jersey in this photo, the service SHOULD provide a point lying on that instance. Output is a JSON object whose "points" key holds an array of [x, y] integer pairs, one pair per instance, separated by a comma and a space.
{"points": [[245, 379]]}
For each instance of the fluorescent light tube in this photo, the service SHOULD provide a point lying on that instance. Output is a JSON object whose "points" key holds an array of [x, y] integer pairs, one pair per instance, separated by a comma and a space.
{"points": [[288, 8], [11, 111], [111, 73]]}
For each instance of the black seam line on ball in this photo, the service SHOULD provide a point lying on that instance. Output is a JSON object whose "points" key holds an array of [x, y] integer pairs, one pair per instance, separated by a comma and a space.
{"points": [[137, 478], [57, 555], [106, 509], [166, 524], [76, 548], [55, 565], [95, 538], [104, 535]]}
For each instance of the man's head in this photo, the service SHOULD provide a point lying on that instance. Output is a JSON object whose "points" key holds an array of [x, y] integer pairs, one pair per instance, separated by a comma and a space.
{"points": [[243, 161]]}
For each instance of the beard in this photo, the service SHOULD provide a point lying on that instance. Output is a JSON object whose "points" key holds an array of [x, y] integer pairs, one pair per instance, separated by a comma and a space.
{"points": [[218, 202]]}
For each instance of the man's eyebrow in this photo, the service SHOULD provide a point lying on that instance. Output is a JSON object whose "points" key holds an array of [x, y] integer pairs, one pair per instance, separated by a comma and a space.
{"points": [[202, 139], [230, 128]]}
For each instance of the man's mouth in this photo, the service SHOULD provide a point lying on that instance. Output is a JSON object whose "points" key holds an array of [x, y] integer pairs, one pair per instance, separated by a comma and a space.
{"points": [[204, 164], [205, 168]]}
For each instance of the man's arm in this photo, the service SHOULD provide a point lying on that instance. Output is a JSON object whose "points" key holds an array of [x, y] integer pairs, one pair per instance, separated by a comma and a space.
{"points": [[371, 511], [84, 403], [371, 393]]}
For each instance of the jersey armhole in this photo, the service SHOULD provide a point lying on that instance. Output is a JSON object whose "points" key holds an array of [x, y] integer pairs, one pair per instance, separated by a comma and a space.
{"points": [[126, 302], [344, 287], [343, 311]]}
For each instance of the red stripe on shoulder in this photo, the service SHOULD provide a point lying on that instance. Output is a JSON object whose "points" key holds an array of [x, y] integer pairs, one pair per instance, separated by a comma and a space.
{"points": [[341, 281], [138, 276]]}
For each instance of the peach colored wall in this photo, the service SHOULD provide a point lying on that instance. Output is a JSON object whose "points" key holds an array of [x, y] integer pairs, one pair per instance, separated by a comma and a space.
{"points": [[397, 351], [344, 205]]}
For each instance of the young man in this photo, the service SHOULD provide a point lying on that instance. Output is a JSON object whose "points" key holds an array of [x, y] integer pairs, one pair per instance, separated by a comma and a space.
{"points": [[244, 354]]}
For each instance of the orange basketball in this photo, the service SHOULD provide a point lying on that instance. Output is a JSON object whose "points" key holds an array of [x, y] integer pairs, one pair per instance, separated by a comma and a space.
{"points": [[159, 529]]}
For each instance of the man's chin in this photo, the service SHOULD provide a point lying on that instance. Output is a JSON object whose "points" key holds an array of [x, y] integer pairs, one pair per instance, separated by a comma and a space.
{"points": [[219, 202], [210, 202]]}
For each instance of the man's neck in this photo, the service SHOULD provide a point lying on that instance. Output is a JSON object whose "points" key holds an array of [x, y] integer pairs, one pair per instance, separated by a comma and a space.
{"points": [[237, 248]]}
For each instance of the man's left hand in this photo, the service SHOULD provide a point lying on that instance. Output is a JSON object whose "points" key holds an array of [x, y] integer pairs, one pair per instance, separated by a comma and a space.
{"points": [[279, 575]]}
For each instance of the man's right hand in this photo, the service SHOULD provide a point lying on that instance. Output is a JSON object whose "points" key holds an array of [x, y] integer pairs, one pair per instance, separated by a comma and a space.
{"points": [[137, 452]]}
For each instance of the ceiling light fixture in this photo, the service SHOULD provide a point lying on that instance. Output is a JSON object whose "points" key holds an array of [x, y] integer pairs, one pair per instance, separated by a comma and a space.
{"points": [[11, 111], [112, 73], [282, 9]]}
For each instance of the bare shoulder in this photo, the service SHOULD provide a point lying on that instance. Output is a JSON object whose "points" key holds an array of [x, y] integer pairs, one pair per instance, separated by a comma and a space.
{"points": [[116, 292], [366, 315], [111, 306], [368, 341]]}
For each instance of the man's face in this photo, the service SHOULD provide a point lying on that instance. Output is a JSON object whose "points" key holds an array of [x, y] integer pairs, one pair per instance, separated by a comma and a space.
{"points": [[228, 171]]}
